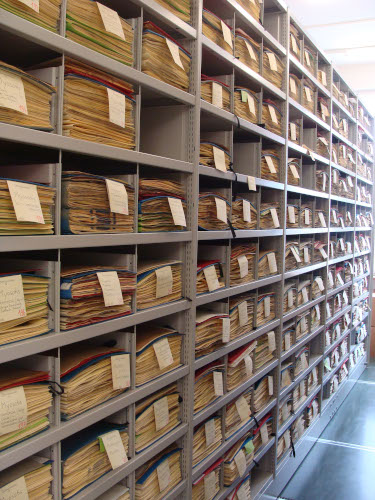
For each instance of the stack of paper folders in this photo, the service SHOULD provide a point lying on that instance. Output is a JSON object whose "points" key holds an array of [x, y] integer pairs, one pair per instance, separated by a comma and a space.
{"points": [[207, 438], [46, 15], [267, 263], [282, 443], [269, 217], [292, 255], [288, 335], [272, 116], [290, 296], [98, 107], [211, 332], [216, 92], [293, 215], [215, 156], [181, 8], [158, 352], [91, 453], [26, 100], [158, 282], [93, 294], [213, 212], [98, 211], [242, 490], [100, 28], [315, 317], [164, 58], [240, 365], [238, 459], [217, 30], [270, 164], [158, 476], [246, 104], [208, 385], [286, 374], [26, 315], [299, 395], [244, 214], [265, 308], [262, 434], [161, 206], [294, 167], [302, 326], [238, 413], [207, 485], [312, 380], [33, 476], [29, 392], [307, 214], [285, 409], [298, 428], [209, 276], [247, 50], [14, 219], [312, 411], [117, 492], [262, 393], [252, 7], [91, 375], [264, 351], [155, 416], [241, 312]]}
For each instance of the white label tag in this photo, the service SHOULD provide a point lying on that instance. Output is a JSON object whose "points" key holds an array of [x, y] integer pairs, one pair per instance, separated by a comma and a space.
{"points": [[211, 278], [161, 413], [270, 385], [294, 170], [270, 164], [350, 182], [118, 197], [319, 282], [175, 52], [334, 217], [209, 485], [242, 313], [303, 324], [307, 217], [275, 218], [164, 281], [226, 330], [272, 112], [324, 182], [290, 298], [292, 85], [272, 60], [117, 106], [345, 296], [250, 50], [12, 299], [271, 340], [285, 411], [251, 104], [115, 449], [317, 310], [304, 361], [328, 309], [295, 254], [243, 265], [120, 366], [242, 408], [246, 211], [240, 461], [287, 440], [264, 434], [324, 78], [323, 253], [339, 279], [219, 159], [111, 20], [293, 131], [111, 288], [163, 353], [251, 183], [287, 341], [271, 257], [330, 278], [177, 210], [16, 490], [294, 44], [13, 409], [12, 92], [306, 255], [248, 365], [322, 219], [308, 94], [217, 95], [291, 214], [218, 384], [221, 209], [209, 430], [227, 34], [164, 475], [307, 59], [305, 295], [25, 201]]}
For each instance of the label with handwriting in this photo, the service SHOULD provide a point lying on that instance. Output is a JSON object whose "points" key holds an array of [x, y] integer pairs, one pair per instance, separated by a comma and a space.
{"points": [[12, 92], [246, 210], [209, 485], [218, 384], [226, 330], [118, 197], [25, 200], [227, 34], [111, 288], [272, 112], [164, 281], [251, 183], [33, 4], [293, 131], [219, 159], [163, 353], [115, 448], [270, 164], [242, 313], [16, 490], [161, 413], [287, 341], [13, 409], [271, 257], [217, 95], [275, 218], [164, 475], [290, 298], [209, 431], [242, 408], [243, 265], [177, 210], [111, 20], [248, 365], [292, 83], [211, 278], [272, 60], [117, 106], [240, 461], [175, 52], [264, 434], [250, 51], [221, 209], [291, 214], [12, 299], [120, 366]]}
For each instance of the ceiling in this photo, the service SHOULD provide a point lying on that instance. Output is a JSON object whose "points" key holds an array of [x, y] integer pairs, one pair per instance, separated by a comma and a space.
{"points": [[345, 31]]}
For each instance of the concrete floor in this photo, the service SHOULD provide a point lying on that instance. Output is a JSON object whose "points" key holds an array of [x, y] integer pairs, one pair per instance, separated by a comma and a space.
{"points": [[341, 465]]}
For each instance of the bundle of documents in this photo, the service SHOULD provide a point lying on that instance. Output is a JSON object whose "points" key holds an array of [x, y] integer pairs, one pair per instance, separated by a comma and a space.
{"points": [[309, 59], [348, 271], [290, 296], [288, 335], [18, 218], [306, 249], [294, 87], [217, 30], [244, 214], [246, 104], [158, 352], [215, 156], [208, 385], [270, 164], [272, 117], [216, 92], [238, 413], [302, 361], [91, 294], [181, 8], [315, 317], [302, 326], [308, 96], [238, 458], [269, 217], [211, 332], [91, 375], [262, 434], [27, 391], [273, 67], [207, 485], [307, 214], [294, 45], [299, 395], [44, 13], [24, 306], [32, 476], [117, 492], [252, 7], [265, 308], [240, 365], [241, 312], [321, 217], [164, 58], [207, 438], [322, 146], [25, 100], [262, 394], [304, 292], [242, 263], [292, 216], [286, 374], [163, 210], [322, 181], [317, 287], [91, 453], [320, 253], [294, 171], [247, 50], [292, 255], [335, 152], [213, 212], [97, 211], [101, 29], [322, 110], [283, 445], [264, 350], [298, 428], [312, 411], [98, 107], [267, 263], [335, 121], [155, 416], [334, 217], [209, 276], [158, 282], [294, 132], [312, 380], [322, 77], [285, 409], [344, 127]]}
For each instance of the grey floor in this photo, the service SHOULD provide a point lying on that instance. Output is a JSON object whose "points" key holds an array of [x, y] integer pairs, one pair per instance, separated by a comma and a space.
{"points": [[341, 465]]}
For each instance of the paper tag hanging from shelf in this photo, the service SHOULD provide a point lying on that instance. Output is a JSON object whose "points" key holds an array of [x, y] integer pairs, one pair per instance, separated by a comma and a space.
{"points": [[26, 202]]}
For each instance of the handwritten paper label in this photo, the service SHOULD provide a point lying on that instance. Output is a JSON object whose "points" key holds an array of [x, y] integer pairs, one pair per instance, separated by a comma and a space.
{"points": [[219, 159], [240, 461], [163, 353], [33, 4], [218, 384], [217, 95], [25, 201], [307, 59], [290, 298], [209, 430], [328, 310], [221, 209], [304, 361], [271, 341], [251, 104], [111, 288], [118, 197], [345, 297], [264, 434], [294, 170], [242, 313], [291, 214], [250, 51], [322, 219], [175, 52], [114, 447], [248, 365], [211, 278], [177, 210], [308, 94], [306, 255], [111, 20], [164, 281], [324, 77], [307, 217], [251, 183], [117, 106], [164, 475], [16, 490], [120, 366], [293, 131], [227, 34], [272, 112], [305, 295], [270, 164], [272, 60], [242, 408], [161, 413], [209, 485], [319, 282], [243, 493], [271, 257], [294, 44], [317, 311], [270, 385], [246, 211], [292, 85], [226, 330], [12, 92], [267, 307], [275, 218], [12, 299], [323, 253], [350, 182], [287, 341], [13, 409], [295, 253]]}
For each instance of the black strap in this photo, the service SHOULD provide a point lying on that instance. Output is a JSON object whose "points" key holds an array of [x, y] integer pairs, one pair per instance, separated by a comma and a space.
{"points": [[255, 419], [238, 121], [292, 445], [232, 229], [52, 390], [256, 463], [49, 306]]}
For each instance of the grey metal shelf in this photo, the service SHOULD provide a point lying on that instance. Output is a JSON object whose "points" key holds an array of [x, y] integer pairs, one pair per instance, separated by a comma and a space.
{"points": [[329, 375], [337, 342], [305, 230], [294, 62], [307, 338], [303, 151], [342, 199], [303, 270], [336, 260], [343, 169], [337, 229], [240, 233], [299, 310], [363, 179], [313, 362], [300, 410], [338, 315], [309, 192], [343, 109], [307, 114], [338, 289]]}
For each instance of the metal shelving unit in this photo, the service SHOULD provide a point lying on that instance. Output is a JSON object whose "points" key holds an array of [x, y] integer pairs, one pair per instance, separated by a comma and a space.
{"points": [[198, 117]]}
